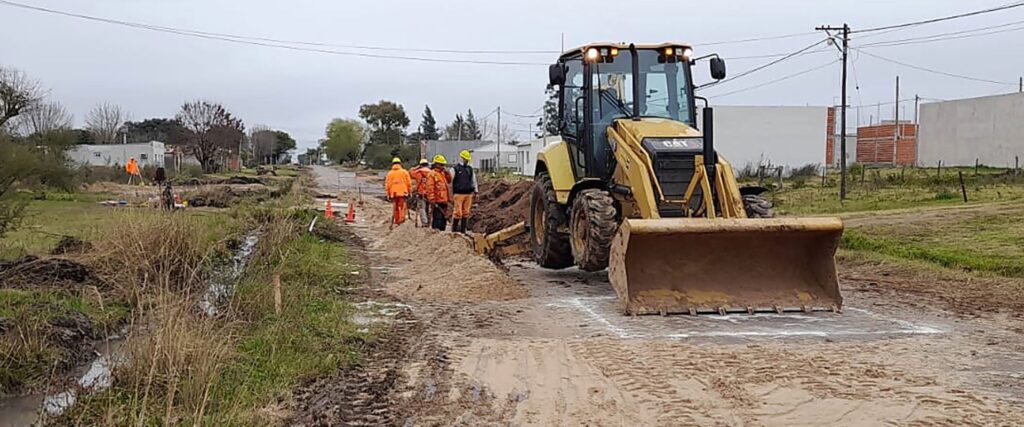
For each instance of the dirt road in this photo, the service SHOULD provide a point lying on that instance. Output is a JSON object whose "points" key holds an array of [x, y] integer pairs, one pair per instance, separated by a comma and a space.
{"points": [[469, 344]]}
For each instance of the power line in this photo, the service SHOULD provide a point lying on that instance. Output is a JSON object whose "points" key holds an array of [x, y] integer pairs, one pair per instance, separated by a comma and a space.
{"points": [[525, 116], [929, 70], [771, 82], [945, 18], [757, 39], [763, 66], [956, 35]]}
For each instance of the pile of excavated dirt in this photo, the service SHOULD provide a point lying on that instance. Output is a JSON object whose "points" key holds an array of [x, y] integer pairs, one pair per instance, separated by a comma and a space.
{"points": [[443, 267], [35, 272], [223, 196], [501, 204]]}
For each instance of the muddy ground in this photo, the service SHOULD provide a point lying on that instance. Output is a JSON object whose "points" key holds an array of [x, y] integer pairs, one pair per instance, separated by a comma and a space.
{"points": [[467, 343]]}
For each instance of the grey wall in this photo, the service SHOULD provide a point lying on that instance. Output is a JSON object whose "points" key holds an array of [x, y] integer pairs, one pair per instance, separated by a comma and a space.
{"points": [[118, 154], [990, 129], [450, 149], [785, 136]]}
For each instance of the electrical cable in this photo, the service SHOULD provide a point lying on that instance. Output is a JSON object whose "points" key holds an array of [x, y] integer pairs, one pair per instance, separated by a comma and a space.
{"points": [[945, 18], [771, 82], [929, 70], [763, 66]]}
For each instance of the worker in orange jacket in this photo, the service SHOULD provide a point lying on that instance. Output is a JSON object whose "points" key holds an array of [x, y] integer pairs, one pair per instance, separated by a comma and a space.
{"points": [[419, 175], [133, 170], [439, 192], [398, 186]]}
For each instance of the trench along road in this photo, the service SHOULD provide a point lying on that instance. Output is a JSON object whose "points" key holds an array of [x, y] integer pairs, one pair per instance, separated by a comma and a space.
{"points": [[528, 346]]}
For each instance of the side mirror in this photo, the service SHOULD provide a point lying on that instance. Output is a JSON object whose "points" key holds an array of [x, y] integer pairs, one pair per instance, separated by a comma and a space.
{"points": [[556, 75], [717, 68]]}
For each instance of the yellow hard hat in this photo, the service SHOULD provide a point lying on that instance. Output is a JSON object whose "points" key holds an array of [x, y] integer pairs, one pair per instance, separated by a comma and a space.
{"points": [[424, 162], [465, 155], [396, 160], [439, 159]]}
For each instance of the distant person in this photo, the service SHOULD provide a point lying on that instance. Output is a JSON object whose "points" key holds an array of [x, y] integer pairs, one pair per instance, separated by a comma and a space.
{"points": [[464, 186], [398, 186], [133, 170], [419, 175], [160, 176], [438, 186]]}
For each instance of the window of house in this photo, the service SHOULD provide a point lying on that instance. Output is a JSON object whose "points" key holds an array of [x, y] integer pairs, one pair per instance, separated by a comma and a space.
{"points": [[144, 157], [97, 155], [511, 158]]}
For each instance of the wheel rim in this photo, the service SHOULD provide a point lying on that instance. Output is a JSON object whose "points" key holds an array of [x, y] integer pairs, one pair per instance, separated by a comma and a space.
{"points": [[579, 233]]}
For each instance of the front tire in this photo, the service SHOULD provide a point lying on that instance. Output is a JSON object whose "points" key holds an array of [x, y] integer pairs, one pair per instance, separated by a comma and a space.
{"points": [[593, 224], [550, 246]]}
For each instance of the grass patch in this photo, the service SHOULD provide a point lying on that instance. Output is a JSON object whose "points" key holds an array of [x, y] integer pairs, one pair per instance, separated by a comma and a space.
{"points": [[29, 353], [188, 368], [988, 243]]}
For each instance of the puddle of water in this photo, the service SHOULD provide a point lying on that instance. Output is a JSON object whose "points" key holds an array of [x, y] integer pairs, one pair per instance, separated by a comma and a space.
{"points": [[29, 409], [224, 278]]}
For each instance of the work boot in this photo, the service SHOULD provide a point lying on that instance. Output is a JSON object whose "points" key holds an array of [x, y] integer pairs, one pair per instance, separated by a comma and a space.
{"points": [[457, 226]]}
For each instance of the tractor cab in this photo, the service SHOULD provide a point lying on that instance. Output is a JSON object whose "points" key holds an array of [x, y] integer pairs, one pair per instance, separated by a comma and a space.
{"points": [[603, 82]]}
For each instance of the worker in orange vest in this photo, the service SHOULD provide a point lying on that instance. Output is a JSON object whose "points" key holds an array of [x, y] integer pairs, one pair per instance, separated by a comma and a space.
{"points": [[439, 193], [419, 175], [133, 170], [398, 186]]}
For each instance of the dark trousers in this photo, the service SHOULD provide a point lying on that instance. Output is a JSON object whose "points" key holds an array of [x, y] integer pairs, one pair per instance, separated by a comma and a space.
{"points": [[438, 220]]}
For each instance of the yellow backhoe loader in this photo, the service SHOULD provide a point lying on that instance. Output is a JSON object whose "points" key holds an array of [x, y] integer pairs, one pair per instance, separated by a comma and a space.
{"points": [[635, 185]]}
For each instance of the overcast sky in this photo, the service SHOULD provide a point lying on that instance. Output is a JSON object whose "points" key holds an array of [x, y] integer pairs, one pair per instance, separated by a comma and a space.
{"points": [[152, 73]]}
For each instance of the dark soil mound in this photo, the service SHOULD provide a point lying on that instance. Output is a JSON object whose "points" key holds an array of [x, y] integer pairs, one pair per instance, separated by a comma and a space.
{"points": [[33, 272], [501, 204], [71, 245]]}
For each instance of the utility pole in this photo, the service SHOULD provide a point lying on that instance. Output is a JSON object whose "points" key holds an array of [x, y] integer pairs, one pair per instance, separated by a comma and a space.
{"points": [[498, 163], [896, 122], [842, 135], [1021, 89]]}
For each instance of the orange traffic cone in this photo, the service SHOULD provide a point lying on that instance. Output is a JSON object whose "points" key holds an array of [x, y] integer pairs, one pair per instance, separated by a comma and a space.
{"points": [[351, 217], [329, 211]]}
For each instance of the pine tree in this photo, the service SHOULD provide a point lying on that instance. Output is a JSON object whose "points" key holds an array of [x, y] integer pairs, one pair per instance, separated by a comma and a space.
{"points": [[456, 130], [428, 126], [549, 122], [472, 127]]}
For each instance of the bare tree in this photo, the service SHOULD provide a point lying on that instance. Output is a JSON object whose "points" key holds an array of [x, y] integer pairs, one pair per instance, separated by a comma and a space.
{"points": [[104, 120], [18, 93], [44, 117], [210, 131], [263, 139], [489, 130]]}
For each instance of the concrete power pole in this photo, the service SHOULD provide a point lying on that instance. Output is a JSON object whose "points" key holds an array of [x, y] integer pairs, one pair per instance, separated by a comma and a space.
{"points": [[896, 122], [497, 163], [842, 135]]}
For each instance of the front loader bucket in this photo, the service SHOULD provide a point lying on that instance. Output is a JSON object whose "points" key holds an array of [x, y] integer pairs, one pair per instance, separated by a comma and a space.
{"points": [[698, 265]]}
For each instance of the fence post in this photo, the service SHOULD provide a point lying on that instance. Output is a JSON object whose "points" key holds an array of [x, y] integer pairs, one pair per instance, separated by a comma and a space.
{"points": [[977, 163], [760, 176], [963, 189], [824, 176], [780, 176], [863, 171], [1016, 165], [938, 172]]}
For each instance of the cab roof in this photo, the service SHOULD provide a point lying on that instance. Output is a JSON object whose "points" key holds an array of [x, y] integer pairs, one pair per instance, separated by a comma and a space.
{"points": [[623, 46]]}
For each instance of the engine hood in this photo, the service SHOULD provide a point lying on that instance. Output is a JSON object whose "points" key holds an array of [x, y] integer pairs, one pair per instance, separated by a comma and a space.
{"points": [[655, 127]]}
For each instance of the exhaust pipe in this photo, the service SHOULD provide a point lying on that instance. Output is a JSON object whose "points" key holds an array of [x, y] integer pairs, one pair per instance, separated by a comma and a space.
{"points": [[710, 157]]}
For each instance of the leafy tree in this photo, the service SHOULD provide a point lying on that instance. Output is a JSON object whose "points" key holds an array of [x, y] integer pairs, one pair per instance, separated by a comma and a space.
{"points": [[285, 143], [379, 156], [263, 142], [210, 132], [168, 131], [345, 138], [549, 122], [428, 126], [387, 121], [472, 129]]}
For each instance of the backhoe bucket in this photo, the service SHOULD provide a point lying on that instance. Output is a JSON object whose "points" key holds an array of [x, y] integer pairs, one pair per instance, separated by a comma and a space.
{"points": [[698, 265]]}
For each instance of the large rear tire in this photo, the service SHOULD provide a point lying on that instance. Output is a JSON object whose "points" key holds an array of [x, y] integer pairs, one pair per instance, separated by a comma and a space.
{"points": [[550, 246], [592, 225]]}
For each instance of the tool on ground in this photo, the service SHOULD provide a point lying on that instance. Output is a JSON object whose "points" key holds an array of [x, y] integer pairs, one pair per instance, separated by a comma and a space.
{"points": [[495, 245], [635, 185]]}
